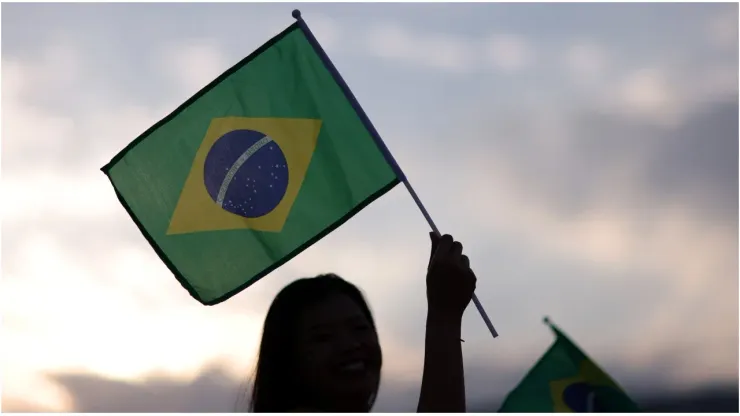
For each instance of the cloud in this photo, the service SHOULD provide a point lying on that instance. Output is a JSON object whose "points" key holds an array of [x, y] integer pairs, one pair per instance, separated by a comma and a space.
{"points": [[214, 390], [73, 197], [508, 52], [42, 139], [645, 201], [667, 96], [715, 83], [586, 61], [434, 50], [648, 92], [327, 30], [106, 304], [217, 390], [722, 30], [194, 62], [62, 55], [22, 127]]}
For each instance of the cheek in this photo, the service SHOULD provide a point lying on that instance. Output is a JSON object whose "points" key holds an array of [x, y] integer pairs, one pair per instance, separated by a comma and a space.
{"points": [[374, 350], [314, 360]]}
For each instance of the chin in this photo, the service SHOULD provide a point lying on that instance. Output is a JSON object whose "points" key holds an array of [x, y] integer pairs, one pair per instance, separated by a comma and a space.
{"points": [[358, 406], [359, 400]]}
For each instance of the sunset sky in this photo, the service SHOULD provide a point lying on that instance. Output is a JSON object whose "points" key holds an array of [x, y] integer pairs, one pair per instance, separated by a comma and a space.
{"points": [[586, 155]]}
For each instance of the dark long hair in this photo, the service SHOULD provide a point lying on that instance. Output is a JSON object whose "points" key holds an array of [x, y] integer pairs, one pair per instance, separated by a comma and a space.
{"points": [[276, 387]]}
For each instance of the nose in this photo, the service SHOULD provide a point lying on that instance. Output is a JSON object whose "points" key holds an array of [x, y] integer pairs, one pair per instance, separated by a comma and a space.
{"points": [[348, 341]]}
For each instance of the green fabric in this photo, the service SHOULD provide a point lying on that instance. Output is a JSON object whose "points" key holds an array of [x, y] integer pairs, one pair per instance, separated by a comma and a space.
{"points": [[566, 380], [284, 86]]}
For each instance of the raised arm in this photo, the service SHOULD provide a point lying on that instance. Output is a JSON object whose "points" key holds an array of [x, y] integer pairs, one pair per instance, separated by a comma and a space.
{"points": [[450, 286]]}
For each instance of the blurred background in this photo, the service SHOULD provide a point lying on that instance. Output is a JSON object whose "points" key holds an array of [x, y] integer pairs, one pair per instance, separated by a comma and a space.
{"points": [[585, 154]]}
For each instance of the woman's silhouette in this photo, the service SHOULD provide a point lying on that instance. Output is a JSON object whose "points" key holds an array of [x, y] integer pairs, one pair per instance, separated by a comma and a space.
{"points": [[320, 349]]}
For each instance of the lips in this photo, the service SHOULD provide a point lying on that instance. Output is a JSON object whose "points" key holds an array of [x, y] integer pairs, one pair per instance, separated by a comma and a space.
{"points": [[353, 366], [356, 366]]}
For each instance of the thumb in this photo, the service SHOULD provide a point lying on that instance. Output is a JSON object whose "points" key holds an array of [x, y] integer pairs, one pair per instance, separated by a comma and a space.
{"points": [[435, 242]]}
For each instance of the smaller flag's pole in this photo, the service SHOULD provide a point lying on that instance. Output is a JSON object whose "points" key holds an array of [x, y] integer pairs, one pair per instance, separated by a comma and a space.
{"points": [[381, 145]]}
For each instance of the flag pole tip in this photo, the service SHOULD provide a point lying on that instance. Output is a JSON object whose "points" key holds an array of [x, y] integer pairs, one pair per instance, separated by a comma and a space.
{"points": [[296, 14]]}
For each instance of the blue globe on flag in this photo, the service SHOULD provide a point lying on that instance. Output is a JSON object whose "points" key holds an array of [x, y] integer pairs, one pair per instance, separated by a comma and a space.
{"points": [[246, 173]]}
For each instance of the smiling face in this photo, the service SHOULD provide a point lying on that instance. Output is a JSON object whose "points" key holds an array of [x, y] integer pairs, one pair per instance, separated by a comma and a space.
{"points": [[339, 354]]}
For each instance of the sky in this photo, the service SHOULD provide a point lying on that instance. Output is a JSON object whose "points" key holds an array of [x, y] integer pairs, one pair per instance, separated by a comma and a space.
{"points": [[586, 155]]}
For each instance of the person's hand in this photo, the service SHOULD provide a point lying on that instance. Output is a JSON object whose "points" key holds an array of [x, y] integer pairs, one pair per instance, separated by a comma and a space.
{"points": [[450, 281]]}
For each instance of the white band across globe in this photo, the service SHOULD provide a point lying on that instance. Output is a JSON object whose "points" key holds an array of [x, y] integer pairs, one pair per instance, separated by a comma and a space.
{"points": [[235, 168]]}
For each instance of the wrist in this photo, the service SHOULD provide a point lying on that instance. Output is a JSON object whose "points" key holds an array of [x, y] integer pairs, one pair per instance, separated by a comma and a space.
{"points": [[444, 324]]}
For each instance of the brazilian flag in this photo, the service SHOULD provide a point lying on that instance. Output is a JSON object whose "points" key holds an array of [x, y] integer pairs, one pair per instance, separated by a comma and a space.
{"points": [[260, 164], [566, 380]]}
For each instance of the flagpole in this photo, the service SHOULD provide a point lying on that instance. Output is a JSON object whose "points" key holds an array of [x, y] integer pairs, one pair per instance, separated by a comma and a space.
{"points": [[381, 145]]}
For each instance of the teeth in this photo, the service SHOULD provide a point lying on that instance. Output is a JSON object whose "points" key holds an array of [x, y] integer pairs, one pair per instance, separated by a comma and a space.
{"points": [[354, 366]]}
